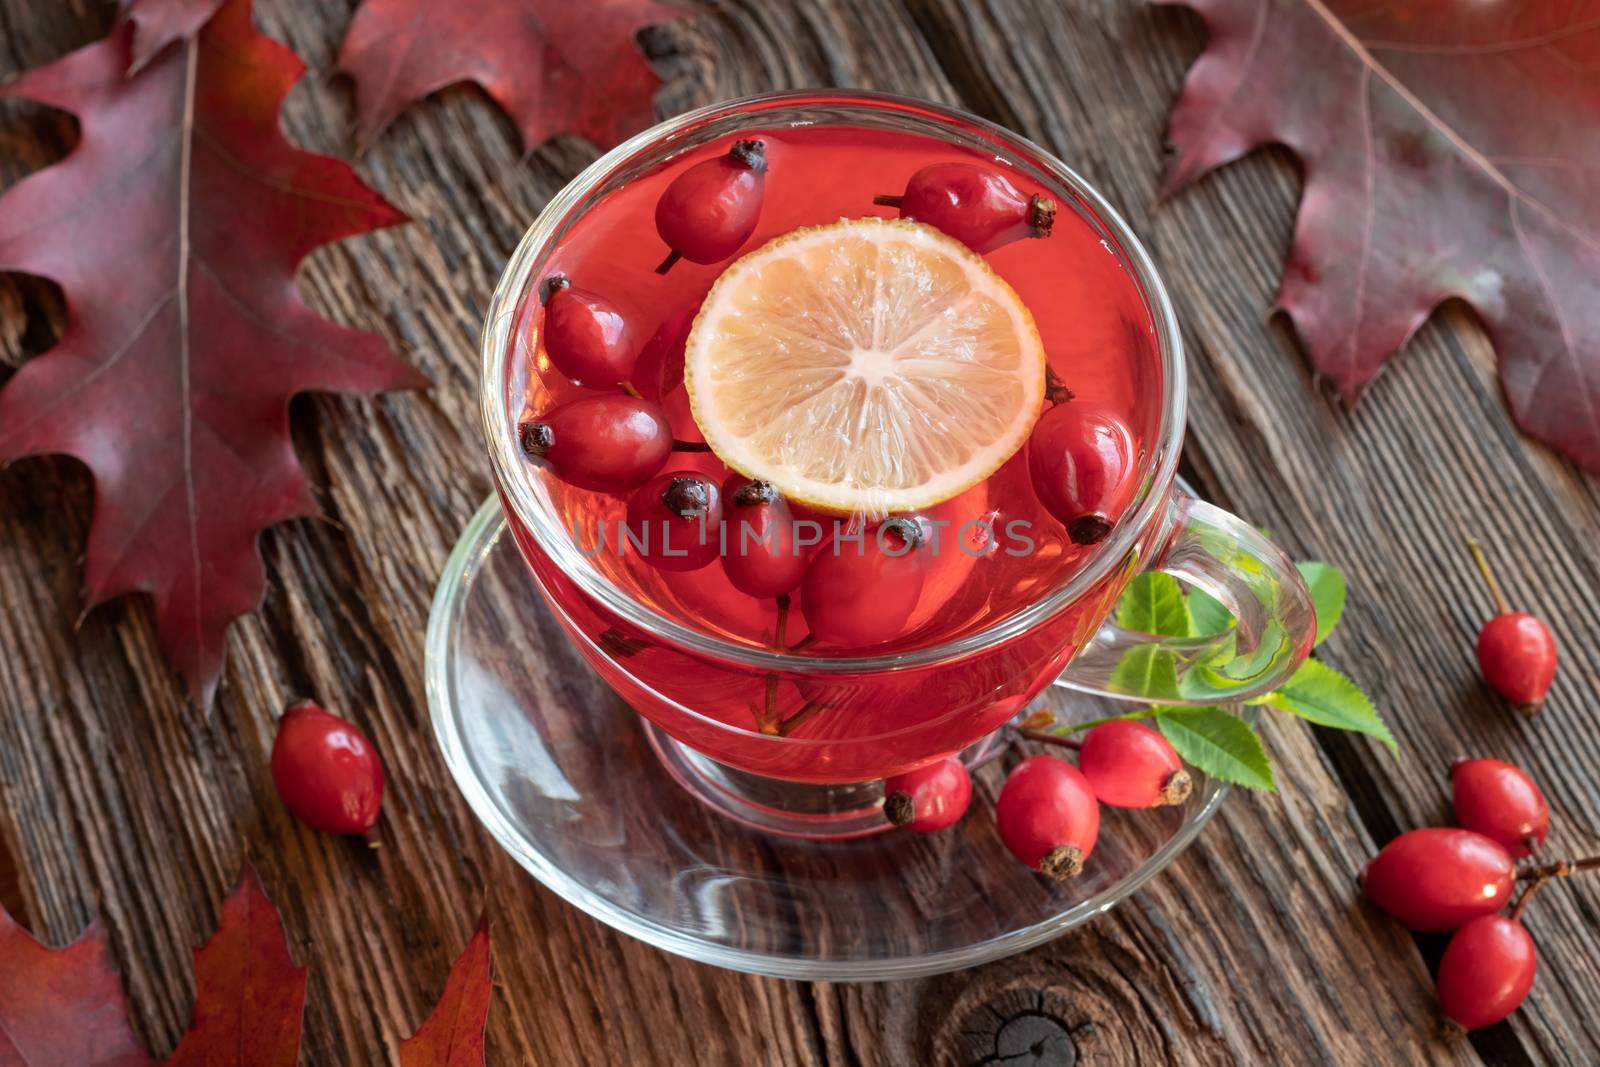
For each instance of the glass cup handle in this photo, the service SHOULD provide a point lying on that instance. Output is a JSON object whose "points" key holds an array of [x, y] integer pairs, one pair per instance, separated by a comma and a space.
{"points": [[1225, 557]]}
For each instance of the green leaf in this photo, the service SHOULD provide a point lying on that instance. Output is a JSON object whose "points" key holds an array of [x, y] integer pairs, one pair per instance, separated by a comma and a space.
{"points": [[1326, 583], [1322, 695], [1219, 743], [1207, 616], [1153, 604], [1147, 671]]}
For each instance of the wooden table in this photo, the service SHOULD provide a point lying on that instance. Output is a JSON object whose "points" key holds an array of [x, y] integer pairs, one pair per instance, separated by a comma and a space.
{"points": [[1252, 948]]}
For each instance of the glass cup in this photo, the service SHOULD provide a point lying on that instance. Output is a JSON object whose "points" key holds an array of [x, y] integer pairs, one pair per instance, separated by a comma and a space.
{"points": [[853, 720]]}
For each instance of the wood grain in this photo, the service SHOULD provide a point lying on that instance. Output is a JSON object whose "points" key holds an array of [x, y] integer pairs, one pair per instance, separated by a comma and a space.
{"points": [[115, 797]]}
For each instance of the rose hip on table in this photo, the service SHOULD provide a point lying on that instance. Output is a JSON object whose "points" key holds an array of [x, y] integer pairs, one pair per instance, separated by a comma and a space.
{"points": [[1516, 651], [1500, 800], [327, 771], [1435, 879], [1486, 972]]}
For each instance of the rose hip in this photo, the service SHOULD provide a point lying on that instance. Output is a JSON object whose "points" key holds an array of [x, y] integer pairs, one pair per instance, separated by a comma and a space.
{"points": [[929, 798], [326, 771], [857, 594], [586, 336], [674, 519], [761, 558], [978, 206], [1129, 765], [1499, 800], [1436, 879], [1486, 971], [1048, 817], [659, 369], [609, 443], [1081, 459], [710, 210], [1516, 651]]}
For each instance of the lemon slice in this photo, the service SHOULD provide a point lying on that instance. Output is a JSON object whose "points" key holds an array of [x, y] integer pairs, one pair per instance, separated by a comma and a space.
{"points": [[867, 367]]}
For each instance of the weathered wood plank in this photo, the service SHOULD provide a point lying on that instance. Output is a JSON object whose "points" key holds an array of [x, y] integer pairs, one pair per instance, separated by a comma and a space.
{"points": [[1249, 949]]}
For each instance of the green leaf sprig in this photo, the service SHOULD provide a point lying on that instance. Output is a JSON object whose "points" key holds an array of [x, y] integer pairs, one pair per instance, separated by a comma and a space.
{"points": [[1211, 737]]}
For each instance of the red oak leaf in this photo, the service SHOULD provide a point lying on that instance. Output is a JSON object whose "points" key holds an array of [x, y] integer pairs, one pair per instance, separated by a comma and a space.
{"points": [[174, 229], [555, 66], [452, 1036], [157, 23], [1449, 151], [62, 1006], [249, 995]]}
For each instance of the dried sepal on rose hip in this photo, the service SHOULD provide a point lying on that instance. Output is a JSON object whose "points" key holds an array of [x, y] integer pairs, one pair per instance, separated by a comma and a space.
{"points": [[978, 206], [327, 772], [711, 209], [929, 798], [1516, 651]]}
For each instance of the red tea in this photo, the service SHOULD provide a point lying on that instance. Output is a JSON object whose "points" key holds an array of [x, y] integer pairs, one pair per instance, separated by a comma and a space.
{"points": [[995, 548]]}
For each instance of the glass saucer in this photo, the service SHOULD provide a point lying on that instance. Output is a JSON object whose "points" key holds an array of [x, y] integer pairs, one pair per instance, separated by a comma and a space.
{"points": [[586, 795]]}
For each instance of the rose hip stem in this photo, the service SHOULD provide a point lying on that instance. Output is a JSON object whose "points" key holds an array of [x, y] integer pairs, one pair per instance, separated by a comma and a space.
{"points": [[888, 199], [1560, 869], [1048, 739], [1489, 579], [1539, 877], [783, 621], [771, 723], [799, 718]]}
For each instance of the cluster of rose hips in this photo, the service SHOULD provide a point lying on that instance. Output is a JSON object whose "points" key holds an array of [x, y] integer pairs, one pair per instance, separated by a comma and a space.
{"points": [[617, 441], [1048, 813], [1458, 879]]}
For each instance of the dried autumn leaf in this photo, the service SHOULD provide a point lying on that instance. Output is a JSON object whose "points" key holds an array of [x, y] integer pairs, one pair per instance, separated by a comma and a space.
{"points": [[174, 229], [553, 65], [62, 1006], [452, 1035], [249, 995], [1449, 150]]}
